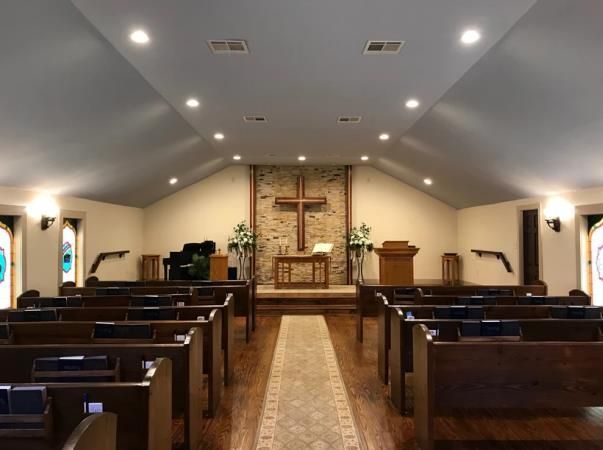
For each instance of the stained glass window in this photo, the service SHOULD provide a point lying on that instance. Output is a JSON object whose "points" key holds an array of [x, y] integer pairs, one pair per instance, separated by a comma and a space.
{"points": [[596, 257], [7, 251], [69, 252]]}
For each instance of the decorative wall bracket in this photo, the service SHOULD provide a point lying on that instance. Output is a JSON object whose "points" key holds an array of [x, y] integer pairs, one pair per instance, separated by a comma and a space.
{"points": [[499, 255]]}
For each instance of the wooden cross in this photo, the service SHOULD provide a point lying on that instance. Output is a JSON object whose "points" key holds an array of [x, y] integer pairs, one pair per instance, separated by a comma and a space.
{"points": [[300, 201]]}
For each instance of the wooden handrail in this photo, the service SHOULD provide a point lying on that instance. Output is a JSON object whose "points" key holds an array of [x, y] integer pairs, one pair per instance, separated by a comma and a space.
{"points": [[101, 257], [499, 255]]}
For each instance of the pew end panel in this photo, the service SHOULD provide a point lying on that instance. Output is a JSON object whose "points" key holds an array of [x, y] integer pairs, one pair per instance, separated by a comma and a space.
{"points": [[96, 432]]}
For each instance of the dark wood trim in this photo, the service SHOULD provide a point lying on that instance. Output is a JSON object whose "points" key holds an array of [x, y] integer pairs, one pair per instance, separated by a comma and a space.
{"points": [[252, 213], [348, 218], [499, 255], [102, 256]]}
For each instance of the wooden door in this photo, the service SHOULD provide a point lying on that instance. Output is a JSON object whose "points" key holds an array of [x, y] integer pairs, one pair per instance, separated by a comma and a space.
{"points": [[531, 258]]}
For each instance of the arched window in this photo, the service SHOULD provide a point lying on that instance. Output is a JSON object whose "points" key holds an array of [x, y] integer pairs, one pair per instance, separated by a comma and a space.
{"points": [[69, 252], [7, 273], [596, 266]]}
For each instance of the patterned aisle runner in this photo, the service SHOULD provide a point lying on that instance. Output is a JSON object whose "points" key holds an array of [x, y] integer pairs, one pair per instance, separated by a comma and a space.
{"points": [[306, 405]]}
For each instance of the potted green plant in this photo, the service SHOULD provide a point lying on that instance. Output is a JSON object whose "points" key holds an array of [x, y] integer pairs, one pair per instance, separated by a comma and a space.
{"points": [[199, 268], [359, 243]]}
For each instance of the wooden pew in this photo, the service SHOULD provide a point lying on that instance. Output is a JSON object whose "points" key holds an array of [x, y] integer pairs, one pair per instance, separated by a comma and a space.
{"points": [[246, 306], [46, 339], [506, 308], [400, 355], [501, 374], [366, 305], [95, 432], [143, 408], [119, 312]]}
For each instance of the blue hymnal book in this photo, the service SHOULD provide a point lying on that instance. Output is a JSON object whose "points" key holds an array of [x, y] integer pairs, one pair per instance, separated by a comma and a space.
{"points": [[71, 363], [104, 330], [49, 364], [4, 399], [28, 399]]}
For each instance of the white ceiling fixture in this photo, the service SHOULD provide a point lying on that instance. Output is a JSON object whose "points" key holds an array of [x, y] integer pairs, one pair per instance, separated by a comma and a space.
{"points": [[382, 47], [237, 157], [428, 181], [139, 37], [301, 158], [218, 136], [192, 103], [470, 36], [349, 119], [364, 158], [173, 180], [412, 103], [384, 137], [255, 119], [228, 47]]}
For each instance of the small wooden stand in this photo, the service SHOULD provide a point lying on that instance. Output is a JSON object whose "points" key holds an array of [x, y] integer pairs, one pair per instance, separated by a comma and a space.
{"points": [[45, 420], [450, 269], [218, 266], [150, 267], [396, 262]]}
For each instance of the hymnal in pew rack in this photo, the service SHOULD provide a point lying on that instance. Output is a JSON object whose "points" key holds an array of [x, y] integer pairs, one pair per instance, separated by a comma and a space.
{"points": [[53, 376], [28, 425]]}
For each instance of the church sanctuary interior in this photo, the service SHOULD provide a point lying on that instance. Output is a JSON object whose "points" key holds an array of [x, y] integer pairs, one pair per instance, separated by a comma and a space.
{"points": [[301, 224]]}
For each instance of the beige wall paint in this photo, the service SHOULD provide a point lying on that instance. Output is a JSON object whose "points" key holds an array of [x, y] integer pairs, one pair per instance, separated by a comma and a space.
{"points": [[396, 211], [208, 209], [498, 226], [107, 228]]}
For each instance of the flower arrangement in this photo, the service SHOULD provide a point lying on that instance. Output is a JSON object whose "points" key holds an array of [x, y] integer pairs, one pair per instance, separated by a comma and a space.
{"points": [[359, 240], [244, 239]]}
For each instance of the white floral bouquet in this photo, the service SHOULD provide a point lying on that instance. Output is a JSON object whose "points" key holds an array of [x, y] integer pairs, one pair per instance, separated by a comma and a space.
{"points": [[244, 239], [359, 240]]}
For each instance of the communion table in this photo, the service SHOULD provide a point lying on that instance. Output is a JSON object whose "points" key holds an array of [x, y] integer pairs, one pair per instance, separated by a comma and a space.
{"points": [[282, 268]]}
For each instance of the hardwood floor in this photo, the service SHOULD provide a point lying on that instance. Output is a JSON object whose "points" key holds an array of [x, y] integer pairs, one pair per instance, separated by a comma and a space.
{"points": [[379, 423]]}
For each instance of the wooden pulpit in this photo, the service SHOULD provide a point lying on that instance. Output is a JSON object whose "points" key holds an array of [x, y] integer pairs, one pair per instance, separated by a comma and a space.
{"points": [[396, 262], [218, 266]]}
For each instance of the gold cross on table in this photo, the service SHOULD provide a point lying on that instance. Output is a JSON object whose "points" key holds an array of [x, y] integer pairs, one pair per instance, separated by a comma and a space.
{"points": [[300, 201]]}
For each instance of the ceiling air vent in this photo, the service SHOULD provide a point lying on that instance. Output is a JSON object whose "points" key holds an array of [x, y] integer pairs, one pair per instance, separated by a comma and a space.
{"points": [[228, 47], [260, 119], [382, 47], [349, 119]]}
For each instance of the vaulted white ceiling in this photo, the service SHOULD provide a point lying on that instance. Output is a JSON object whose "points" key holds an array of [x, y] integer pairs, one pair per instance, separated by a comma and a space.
{"points": [[86, 112]]}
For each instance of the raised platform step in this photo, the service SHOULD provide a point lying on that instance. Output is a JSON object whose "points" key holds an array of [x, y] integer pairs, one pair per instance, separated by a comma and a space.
{"points": [[269, 310], [306, 301]]}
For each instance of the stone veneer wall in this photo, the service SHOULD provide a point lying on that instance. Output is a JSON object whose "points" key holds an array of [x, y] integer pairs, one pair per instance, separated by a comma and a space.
{"points": [[324, 223]]}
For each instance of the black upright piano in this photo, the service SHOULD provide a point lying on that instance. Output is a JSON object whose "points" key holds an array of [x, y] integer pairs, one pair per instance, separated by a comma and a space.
{"points": [[176, 266]]}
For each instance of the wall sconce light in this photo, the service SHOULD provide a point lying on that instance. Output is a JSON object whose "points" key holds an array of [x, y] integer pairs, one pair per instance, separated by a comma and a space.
{"points": [[554, 224], [47, 222], [45, 208]]}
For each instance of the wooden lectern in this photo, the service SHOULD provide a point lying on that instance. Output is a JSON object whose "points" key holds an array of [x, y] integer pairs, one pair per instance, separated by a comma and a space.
{"points": [[218, 266], [396, 262]]}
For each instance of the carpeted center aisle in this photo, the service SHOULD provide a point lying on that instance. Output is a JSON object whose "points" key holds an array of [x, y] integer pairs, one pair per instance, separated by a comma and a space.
{"points": [[306, 405]]}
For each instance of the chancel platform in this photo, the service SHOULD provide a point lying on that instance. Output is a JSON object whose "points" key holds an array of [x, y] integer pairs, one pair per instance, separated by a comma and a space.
{"points": [[335, 299]]}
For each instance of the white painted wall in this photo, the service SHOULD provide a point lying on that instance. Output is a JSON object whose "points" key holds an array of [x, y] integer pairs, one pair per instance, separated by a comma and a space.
{"points": [[498, 227], [208, 209], [396, 211], [107, 228]]}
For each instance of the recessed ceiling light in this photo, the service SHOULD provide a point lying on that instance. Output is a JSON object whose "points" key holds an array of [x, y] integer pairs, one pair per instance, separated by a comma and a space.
{"points": [[218, 136], [139, 37], [173, 180], [412, 103], [237, 157], [301, 158], [383, 137], [470, 36], [364, 158], [428, 181], [192, 103]]}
